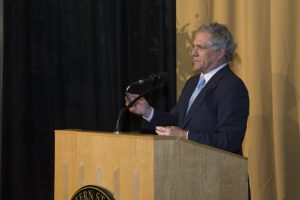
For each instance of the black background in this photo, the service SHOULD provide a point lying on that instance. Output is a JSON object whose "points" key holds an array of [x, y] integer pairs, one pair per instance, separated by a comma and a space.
{"points": [[66, 66]]}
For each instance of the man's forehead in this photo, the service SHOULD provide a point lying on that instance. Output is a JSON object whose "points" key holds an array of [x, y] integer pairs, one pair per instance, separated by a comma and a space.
{"points": [[202, 37]]}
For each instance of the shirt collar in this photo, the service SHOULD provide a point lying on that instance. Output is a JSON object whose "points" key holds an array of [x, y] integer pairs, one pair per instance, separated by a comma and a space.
{"points": [[210, 74]]}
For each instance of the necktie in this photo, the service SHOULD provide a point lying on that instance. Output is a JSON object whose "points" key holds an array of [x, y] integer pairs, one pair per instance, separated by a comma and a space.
{"points": [[197, 90]]}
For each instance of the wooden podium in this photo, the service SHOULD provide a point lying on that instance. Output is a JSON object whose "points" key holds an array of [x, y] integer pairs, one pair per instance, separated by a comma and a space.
{"points": [[146, 167]]}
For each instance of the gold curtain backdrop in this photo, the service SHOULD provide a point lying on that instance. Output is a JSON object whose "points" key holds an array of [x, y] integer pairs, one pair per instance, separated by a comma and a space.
{"points": [[268, 36]]}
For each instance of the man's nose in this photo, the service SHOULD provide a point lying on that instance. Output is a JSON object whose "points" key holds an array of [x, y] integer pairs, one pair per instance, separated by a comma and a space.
{"points": [[194, 51]]}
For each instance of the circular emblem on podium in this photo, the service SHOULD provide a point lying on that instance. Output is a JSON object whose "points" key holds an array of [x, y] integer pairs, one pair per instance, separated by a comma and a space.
{"points": [[91, 192]]}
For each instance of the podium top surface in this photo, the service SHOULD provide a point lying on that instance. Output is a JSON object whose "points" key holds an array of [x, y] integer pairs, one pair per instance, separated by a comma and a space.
{"points": [[137, 135]]}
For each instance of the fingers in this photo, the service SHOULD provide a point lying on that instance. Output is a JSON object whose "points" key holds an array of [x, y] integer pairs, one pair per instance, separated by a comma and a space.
{"points": [[139, 107], [163, 130], [129, 97], [171, 131]]}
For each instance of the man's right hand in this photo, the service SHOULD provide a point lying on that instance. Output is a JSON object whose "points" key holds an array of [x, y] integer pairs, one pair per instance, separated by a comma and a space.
{"points": [[141, 107]]}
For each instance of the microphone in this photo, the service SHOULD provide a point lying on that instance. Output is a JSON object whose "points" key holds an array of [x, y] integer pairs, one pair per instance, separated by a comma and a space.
{"points": [[154, 78]]}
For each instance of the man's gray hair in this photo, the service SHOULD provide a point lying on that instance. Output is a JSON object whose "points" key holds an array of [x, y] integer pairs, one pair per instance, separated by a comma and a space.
{"points": [[220, 38]]}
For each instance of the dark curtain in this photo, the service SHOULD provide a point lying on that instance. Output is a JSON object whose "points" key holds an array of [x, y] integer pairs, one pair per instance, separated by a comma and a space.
{"points": [[66, 66]]}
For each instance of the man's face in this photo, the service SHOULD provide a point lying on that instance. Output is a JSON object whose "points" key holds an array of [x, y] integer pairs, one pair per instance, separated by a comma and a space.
{"points": [[205, 58]]}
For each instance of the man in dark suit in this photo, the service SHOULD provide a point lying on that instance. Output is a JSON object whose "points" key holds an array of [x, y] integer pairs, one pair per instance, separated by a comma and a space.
{"points": [[213, 107]]}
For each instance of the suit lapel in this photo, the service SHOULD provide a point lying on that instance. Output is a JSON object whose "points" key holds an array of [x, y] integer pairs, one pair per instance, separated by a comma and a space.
{"points": [[185, 99], [206, 91]]}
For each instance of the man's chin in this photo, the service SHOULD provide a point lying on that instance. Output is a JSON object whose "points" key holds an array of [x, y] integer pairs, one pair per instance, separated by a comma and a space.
{"points": [[196, 71], [197, 68]]}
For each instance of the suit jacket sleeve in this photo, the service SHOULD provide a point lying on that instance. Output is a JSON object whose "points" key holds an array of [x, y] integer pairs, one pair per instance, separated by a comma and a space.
{"points": [[161, 118]]}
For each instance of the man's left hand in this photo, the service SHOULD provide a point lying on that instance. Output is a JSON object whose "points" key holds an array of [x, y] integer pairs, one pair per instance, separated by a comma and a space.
{"points": [[171, 131]]}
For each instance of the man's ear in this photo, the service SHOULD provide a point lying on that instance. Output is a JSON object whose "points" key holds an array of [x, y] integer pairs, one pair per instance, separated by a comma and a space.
{"points": [[221, 54]]}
